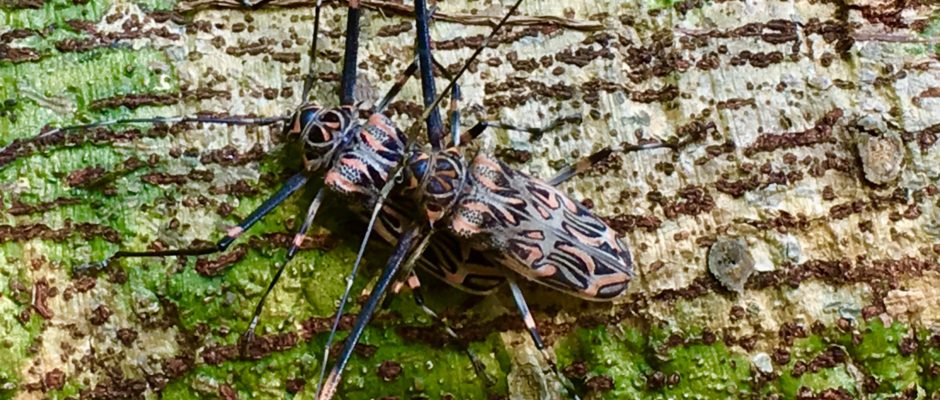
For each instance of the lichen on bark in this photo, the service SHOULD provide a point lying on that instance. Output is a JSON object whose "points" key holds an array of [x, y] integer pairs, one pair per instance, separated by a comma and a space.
{"points": [[780, 97]]}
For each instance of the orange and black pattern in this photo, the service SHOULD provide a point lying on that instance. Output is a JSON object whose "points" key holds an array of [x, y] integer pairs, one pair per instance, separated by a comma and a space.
{"points": [[447, 258], [493, 216], [439, 188], [363, 163], [537, 231]]}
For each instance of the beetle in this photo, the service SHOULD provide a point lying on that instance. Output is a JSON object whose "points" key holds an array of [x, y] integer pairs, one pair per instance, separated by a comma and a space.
{"points": [[515, 221]]}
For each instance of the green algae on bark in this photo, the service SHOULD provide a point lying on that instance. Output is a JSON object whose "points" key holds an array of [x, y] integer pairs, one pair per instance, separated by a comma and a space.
{"points": [[52, 13]]}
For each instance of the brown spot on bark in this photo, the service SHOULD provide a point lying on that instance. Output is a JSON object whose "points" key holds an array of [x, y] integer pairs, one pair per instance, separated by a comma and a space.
{"points": [[908, 345], [27, 232], [127, 336], [81, 177], [667, 93], [600, 384], [781, 356], [319, 241], [577, 369], [226, 392], [737, 313], [790, 331], [734, 104], [626, 223], [133, 101], [240, 188], [176, 367], [54, 379], [841, 211], [85, 283], [116, 388], [14, 34], [77, 45], [41, 291], [18, 54], [294, 386], [693, 200], [286, 58], [160, 178], [820, 133], [389, 370], [100, 315], [18, 208], [394, 30], [509, 154], [207, 267], [225, 209], [229, 156]]}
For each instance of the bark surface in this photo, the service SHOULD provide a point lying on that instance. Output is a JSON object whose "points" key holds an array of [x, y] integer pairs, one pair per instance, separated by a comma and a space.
{"points": [[791, 250]]}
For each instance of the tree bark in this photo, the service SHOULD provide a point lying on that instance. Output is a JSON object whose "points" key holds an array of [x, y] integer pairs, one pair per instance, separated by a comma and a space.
{"points": [[790, 249]]}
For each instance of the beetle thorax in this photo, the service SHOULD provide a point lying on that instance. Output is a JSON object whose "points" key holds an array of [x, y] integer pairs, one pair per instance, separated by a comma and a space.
{"points": [[436, 178]]}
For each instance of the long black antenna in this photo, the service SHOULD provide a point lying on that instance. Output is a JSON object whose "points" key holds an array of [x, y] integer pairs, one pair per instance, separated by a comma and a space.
{"points": [[348, 80], [450, 85], [308, 80], [428, 89]]}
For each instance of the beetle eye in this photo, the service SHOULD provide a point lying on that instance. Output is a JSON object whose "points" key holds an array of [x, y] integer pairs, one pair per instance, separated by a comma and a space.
{"points": [[421, 168], [307, 116], [302, 118]]}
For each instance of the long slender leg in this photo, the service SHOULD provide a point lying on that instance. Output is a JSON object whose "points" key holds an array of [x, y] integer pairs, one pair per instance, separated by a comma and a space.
{"points": [[416, 292], [585, 164], [383, 194], [292, 185], [400, 83], [534, 333], [428, 89], [455, 116], [249, 334], [582, 165], [350, 63], [260, 121], [414, 234], [396, 88], [477, 129]]}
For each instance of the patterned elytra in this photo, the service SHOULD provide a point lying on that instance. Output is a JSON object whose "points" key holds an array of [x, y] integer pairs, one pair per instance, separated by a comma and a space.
{"points": [[365, 159], [447, 258], [539, 232]]}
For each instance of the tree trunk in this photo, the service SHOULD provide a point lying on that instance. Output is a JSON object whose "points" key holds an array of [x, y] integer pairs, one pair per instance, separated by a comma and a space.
{"points": [[789, 250]]}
